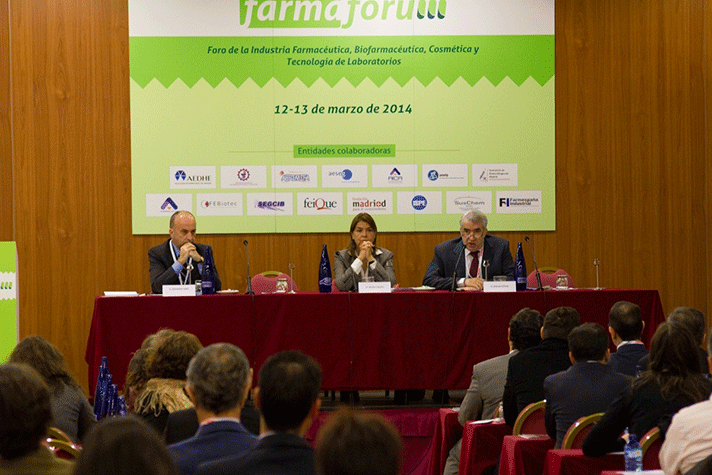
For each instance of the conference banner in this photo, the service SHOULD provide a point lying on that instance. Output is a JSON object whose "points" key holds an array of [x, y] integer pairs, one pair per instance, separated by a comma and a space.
{"points": [[8, 299], [294, 115]]}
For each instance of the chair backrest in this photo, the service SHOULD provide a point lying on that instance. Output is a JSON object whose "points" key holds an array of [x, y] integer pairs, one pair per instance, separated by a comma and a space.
{"points": [[650, 444], [63, 449], [579, 430], [266, 282], [548, 277], [530, 420], [54, 433]]}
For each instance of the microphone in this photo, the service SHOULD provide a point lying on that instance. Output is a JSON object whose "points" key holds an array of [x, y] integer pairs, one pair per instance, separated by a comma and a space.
{"points": [[454, 273], [538, 276], [249, 280]]}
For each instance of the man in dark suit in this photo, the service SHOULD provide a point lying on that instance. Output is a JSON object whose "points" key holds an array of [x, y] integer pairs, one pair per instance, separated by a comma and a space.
{"points": [[287, 396], [527, 369], [473, 257], [587, 387], [178, 260], [184, 424], [219, 379], [625, 326]]}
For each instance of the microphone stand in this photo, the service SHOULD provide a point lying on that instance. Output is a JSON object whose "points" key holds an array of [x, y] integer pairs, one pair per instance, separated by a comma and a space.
{"points": [[538, 276], [454, 273], [249, 280]]}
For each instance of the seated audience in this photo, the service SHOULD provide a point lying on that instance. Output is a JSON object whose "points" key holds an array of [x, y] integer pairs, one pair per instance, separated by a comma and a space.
{"points": [[672, 381], [124, 446], [689, 439], [485, 392], [527, 370], [358, 443], [287, 396], [184, 424], [585, 388], [25, 415], [71, 412], [166, 366], [219, 379], [136, 376], [625, 326]]}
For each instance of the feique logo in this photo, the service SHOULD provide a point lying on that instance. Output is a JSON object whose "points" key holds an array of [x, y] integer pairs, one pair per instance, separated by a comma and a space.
{"points": [[180, 175], [319, 204], [243, 174]]}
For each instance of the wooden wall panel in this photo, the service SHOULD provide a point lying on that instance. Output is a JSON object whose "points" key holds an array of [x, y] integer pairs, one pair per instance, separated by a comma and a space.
{"points": [[6, 208], [632, 162]]}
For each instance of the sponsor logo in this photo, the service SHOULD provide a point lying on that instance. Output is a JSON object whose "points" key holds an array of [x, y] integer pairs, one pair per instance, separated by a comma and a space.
{"points": [[484, 176], [433, 175], [395, 176], [243, 174], [296, 177], [6, 285], [320, 204], [219, 204], [366, 203], [345, 175], [519, 202], [419, 202], [468, 201], [270, 205], [169, 205], [180, 175]]}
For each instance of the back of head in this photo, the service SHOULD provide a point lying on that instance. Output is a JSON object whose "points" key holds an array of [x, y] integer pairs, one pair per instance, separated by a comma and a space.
{"points": [[46, 359], [218, 376], [25, 410], [170, 358], [692, 319], [124, 446], [588, 342], [525, 329], [358, 443], [625, 319], [559, 322], [289, 384]]}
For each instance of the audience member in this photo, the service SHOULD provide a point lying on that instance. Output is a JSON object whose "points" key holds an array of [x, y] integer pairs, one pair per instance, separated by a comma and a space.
{"points": [[672, 381], [184, 424], [527, 370], [587, 387], [137, 376], [124, 446], [689, 439], [166, 366], [219, 379], [696, 322], [26, 412], [287, 396], [625, 326], [485, 392], [71, 412], [358, 443]]}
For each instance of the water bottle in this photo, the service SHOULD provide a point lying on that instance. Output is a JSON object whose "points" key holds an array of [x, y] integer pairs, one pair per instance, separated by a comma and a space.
{"points": [[633, 455], [100, 387], [324, 271], [207, 276], [520, 269]]}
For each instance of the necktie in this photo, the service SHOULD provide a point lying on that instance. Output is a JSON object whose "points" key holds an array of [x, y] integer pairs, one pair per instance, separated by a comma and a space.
{"points": [[474, 266]]}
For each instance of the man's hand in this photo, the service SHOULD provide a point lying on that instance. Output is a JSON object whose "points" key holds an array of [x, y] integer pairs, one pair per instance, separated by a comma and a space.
{"points": [[188, 250], [474, 283]]}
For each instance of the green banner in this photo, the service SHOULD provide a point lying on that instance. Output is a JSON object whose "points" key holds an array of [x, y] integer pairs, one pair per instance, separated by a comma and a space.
{"points": [[8, 299]]}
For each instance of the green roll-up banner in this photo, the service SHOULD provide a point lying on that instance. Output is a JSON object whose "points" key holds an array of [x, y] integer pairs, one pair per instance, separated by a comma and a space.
{"points": [[8, 299]]}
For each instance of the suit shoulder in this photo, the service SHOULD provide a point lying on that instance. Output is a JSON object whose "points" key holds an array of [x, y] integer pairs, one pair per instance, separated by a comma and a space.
{"points": [[444, 246], [497, 241]]}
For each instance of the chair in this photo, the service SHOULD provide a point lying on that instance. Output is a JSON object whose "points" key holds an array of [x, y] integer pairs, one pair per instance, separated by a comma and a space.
{"points": [[62, 449], [266, 282], [530, 420], [650, 444], [579, 430], [548, 277], [54, 433]]}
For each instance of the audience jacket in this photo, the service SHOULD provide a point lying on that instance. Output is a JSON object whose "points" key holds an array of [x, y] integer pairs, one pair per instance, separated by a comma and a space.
{"points": [[161, 270], [213, 441], [526, 373], [40, 462], [381, 269], [183, 424], [71, 413], [278, 453], [442, 267], [688, 440], [627, 357], [584, 389], [639, 410]]}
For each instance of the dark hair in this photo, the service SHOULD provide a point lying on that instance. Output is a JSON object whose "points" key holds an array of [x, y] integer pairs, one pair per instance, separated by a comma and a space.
{"points": [[218, 376], [588, 342], [136, 375], [560, 321], [170, 358], [124, 446], [25, 410], [674, 364], [289, 383], [366, 218], [692, 319], [625, 319], [525, 329], [357, 443], [47, 360]]}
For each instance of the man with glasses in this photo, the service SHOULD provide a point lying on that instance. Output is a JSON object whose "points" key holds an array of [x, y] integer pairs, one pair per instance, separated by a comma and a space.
{"points": [[472, 258]]}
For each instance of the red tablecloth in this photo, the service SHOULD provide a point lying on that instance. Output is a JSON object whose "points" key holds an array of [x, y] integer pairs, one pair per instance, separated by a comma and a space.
{"points": [[574, 462], [447, 431], [481, 446], [402, 340], [523, 455]]}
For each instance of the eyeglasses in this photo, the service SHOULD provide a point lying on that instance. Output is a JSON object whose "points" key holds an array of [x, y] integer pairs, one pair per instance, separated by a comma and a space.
{"points": [[472, 232]]}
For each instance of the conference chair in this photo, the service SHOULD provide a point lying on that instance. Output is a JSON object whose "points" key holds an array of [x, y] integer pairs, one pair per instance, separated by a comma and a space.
{"points": [[54, 433], [63, 449], [530, 420], [266, 282], [579, 430], [548, 277], [651, 444]]}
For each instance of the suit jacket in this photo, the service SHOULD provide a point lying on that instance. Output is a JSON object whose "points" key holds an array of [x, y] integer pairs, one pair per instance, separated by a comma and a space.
{"points": [[441, 268], [526, 372], [486, 388], [584, 389], [345, 278], [183, 424], [161, 271], [626, 358], [280, 453], [213, 441]]}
